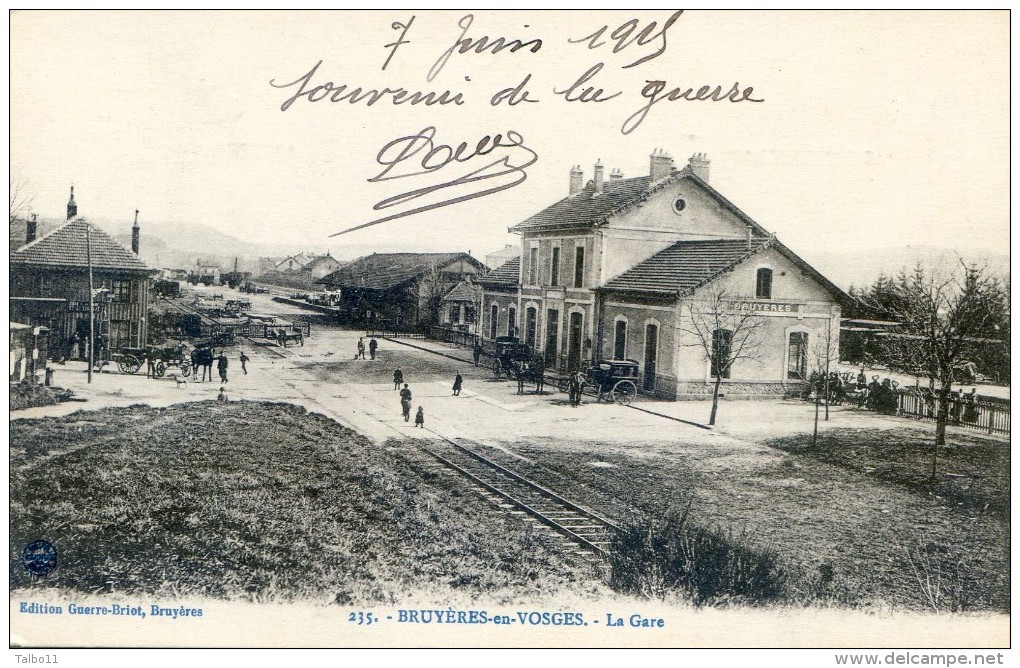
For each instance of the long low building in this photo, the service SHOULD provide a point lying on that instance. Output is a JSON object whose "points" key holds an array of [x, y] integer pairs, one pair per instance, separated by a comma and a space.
{"points": [[637, 268]]}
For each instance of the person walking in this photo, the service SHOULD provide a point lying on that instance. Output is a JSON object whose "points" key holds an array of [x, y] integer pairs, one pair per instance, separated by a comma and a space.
{"points": [[398, 378], [419, 418], [405, 402], [372, 345], [477, 352], [361, 348], [458, 382], [244, 360], [221, 366]]}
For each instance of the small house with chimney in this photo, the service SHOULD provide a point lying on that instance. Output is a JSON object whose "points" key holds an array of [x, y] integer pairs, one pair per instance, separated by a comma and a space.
{"points": [[617, 268], [49, 286]]}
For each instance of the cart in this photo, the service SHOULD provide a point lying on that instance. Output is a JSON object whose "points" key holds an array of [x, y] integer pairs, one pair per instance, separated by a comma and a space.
{"points": [[615, 380]]}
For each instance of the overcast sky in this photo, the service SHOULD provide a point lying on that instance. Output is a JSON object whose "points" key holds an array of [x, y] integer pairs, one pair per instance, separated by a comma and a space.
{"points": [[877, 128]]}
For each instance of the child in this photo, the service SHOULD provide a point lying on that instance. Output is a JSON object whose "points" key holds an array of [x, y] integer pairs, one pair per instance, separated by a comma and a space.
{"points": [[244, 360], [419, 418], [223, 394]]}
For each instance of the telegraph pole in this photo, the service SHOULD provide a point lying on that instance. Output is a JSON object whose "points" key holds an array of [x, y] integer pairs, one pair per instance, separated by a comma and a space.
{"points": [[92, 315]]}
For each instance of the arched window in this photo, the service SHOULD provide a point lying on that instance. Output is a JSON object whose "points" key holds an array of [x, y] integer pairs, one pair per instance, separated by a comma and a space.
{"points": [[531, 326], [722, 341], [493, 321], [763, 284], [511, 322], [620, 340], [796, 367]]}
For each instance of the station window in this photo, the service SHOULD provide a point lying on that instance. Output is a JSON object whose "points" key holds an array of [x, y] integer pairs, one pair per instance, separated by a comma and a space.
{"points": [[796, 368], [554, 274], [579, 267], [763, 285], [620, 342], [120, 291]]}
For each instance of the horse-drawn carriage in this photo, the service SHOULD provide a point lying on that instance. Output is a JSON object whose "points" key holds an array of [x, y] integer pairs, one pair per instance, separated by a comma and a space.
{"points": [[510, 357], [169, 356], [615, 380], [130, 360]]}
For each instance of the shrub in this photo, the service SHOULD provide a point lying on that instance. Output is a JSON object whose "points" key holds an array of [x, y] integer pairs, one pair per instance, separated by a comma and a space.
{"points": [[709, 566]]}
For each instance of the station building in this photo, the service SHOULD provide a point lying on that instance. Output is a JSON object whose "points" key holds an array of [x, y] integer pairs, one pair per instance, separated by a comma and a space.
{"points": [[618, 269]]}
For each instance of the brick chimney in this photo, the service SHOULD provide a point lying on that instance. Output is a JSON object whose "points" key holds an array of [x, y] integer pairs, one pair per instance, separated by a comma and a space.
{"points": [[135, 230], [598, 177], [661, 165], [698, 164], [31, 229], [615, 175], [576, 179], [72, 207]]}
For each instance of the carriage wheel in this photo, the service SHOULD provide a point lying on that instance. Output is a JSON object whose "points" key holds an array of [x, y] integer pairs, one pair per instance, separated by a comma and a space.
{"points": [[624, 392], [497, 368], [129, 364], [160, 369], [563, 384], [185, 368]]}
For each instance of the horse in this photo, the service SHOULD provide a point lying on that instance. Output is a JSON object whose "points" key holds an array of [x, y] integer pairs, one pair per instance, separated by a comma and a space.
{"points": [[202, 357]]}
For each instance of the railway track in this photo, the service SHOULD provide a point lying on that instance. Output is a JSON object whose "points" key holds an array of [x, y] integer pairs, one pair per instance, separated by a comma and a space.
{"points": [[587, 531]]}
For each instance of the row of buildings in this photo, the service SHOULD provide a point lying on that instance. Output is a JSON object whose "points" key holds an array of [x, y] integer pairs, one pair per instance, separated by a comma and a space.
{"points": [[616, 269], [619, 269]]}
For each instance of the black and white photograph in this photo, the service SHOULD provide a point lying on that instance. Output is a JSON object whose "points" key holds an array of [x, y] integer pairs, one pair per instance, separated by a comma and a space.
{"points": [[492, 328]]}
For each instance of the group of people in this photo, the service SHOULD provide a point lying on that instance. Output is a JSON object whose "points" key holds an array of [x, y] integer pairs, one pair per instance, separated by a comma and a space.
{"points": [[373, 345], [882, 396], [406, 396]]}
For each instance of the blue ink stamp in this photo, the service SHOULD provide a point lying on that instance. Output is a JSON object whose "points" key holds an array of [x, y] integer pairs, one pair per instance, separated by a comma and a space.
{"points": [[39, 557]]}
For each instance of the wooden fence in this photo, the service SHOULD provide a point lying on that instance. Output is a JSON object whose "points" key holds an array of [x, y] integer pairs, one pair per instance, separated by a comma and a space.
{"points": [[986, 414]]}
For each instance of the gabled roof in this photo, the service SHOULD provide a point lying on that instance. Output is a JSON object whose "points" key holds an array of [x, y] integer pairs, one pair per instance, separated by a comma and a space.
{"points": [[323, 259], [684, 266], [506, 275], [384, 271], [300, 258], [64, 247], [584, 208], [687, 265], [463, 292]]}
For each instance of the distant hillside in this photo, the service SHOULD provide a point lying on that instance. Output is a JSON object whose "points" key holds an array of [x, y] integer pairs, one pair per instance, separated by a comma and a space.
{"points": [[860, 267]]}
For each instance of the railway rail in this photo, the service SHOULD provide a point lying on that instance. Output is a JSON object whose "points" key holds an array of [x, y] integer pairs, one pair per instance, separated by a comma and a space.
{"points": [[588, 530]]}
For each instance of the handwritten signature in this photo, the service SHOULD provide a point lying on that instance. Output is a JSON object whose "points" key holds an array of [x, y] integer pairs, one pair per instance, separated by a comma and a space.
{"points": [[419, 155]]}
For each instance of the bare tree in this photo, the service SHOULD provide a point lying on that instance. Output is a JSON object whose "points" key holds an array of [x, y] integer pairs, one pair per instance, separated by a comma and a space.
{"points": [[20, 199], [431, 287], [825, 354], [944, 315], [725, 332]]}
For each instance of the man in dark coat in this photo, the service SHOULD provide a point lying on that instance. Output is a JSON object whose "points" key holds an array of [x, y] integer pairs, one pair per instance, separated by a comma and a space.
{"points": [[221, 366], [458, 382], [405, 402], [477, 352], [372, 345], [398, 378]]}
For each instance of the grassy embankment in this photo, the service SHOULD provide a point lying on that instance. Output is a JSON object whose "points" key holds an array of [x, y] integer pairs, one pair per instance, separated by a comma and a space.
{"points": [[264, 502]]}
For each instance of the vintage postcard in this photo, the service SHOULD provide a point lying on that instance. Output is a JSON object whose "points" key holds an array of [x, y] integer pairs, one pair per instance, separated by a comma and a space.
{"points": [[506, 329]]}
